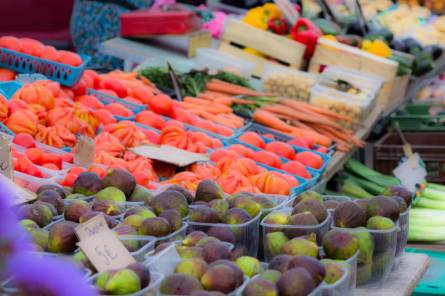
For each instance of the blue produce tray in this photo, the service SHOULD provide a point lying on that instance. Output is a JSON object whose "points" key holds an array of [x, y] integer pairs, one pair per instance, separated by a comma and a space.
{"points": [[107, 99], [6, 130], [9, 88], [304, 184], [262, 130], [433, 281], [23, 63]]}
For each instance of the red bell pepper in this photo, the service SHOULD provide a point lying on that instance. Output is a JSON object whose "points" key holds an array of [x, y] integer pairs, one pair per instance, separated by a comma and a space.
{"points": [[307, 33], [278, 25]]}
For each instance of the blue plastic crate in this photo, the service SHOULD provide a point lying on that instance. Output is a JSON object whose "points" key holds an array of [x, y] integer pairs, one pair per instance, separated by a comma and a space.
{"points": [[262, 130], [23, 63], [6, 130], [107, 99], [9, 88], [29, 78], [433, 281]]}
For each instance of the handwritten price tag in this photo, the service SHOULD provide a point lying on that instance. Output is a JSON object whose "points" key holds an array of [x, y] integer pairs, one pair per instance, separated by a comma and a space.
{"points": [[6, 167], [410, 172], [95, 225], [106, 252], [84, 151]]}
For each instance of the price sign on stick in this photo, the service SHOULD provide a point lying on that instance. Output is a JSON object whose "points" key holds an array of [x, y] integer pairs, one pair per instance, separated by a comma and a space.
{"points": [[84, 151], [6, 164], [106, 251]]}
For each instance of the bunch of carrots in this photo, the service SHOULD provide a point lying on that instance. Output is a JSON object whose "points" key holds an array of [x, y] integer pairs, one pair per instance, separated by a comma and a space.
{"points": [[304, 120]]}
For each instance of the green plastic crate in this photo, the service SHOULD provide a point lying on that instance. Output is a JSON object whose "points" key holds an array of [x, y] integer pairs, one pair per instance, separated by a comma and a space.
{"points": [[416, 117], [433, 281]]}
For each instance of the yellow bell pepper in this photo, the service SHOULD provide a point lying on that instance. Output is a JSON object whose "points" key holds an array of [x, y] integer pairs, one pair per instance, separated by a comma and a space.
{"points": [[272, 10], [256, 17], [377, 47]]}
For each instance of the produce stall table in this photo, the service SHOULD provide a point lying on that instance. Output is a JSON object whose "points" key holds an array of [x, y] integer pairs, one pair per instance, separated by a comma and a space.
{"points": [[403, 279], [340, 158]]}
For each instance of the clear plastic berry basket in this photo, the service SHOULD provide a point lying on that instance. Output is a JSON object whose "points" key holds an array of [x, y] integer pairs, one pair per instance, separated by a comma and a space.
{"points": [[174, 236], [402, 234], [246, 234], [143, 245], [23, 63], [290, 231], [341, 287], [150, 290], [32, 183], [8, 88], [108, 99], [375, 272], [318, 291], [339, 198]]}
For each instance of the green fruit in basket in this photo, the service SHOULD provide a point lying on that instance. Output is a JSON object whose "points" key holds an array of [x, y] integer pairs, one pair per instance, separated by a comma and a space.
{"points": [[208, 190], [28, 224], [349, 215], [52, 187], [383, 206], [123, 229], [222, 233], [62, 237], [140, 211], [239, 251], [206, 240], [54, 198], [50, 207], [107, 207], [366, 242], [399, 191], [296, 281], [237, 272], [179, 284], [120, 179], [120, 282], [364, 273], [193, 237], [250, 206], [265, 202], [339, 244], [362, 203], [170, 200], [111, 221], [131, 245], [221, 206], [87, 183], [204, 215], [215, 251], [156, 226], [379, 223], [401, 202], [280, 263], [313, 206], [40, 214], [188, 196], [275, 218], [311, 265], [141, 194], [236, 216], [381, 262], [301, 219], [80, 258], [174, 219], [194, 267], [111, 194], [190, 252], [260, 287], [274, 242], [270, 275], [40, 237], [143, 273], [134, 221], [219, 277], [307, 195], [75, 196], [76, 209], [299, 246], [334, 271], [249, 265]]}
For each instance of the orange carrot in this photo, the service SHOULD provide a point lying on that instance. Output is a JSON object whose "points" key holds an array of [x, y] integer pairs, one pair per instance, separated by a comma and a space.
{"points": [[233, 89], [269, 119], [297, 105], [281, 109], [208, 108], [217, 119]]}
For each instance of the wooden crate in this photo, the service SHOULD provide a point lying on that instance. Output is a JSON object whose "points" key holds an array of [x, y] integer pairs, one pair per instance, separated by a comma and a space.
{"points": [[274, 46], [330, 53]]}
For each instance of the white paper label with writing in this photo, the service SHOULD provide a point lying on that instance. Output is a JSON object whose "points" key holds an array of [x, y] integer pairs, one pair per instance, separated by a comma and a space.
{"points": [[84, 151], [6, 164], [106, 252], [95, 225], [410, 172]]}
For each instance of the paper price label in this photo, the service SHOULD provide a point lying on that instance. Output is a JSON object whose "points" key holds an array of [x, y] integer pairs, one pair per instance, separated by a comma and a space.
{"points": [[106, 251], [410, 172], [95, 225], [6, 164], [84, 151]]}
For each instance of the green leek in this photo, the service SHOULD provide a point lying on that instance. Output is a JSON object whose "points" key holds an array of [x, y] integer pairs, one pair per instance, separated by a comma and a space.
{"points": [[436, 186], [423, 202], [426, 233], [433, 194]]}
